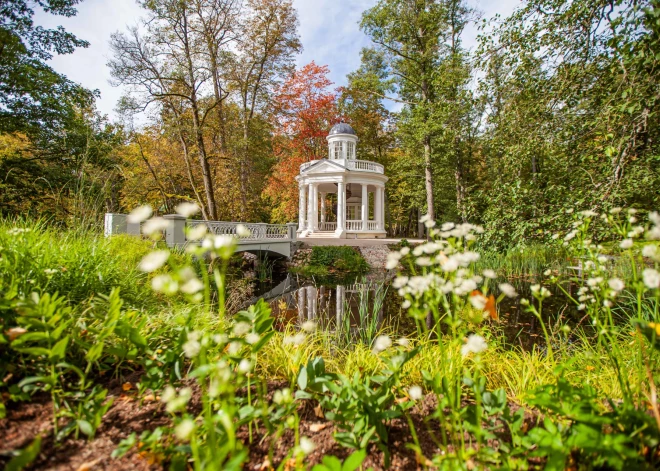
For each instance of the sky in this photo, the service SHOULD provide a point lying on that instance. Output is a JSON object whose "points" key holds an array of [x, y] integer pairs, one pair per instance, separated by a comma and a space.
{"points": [[329, 30]]}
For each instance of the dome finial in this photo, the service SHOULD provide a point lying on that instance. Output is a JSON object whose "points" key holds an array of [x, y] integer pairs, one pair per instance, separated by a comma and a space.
{"points": [[342, 128]]}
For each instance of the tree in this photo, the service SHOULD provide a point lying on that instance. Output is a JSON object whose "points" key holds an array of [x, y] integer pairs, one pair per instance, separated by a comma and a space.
{"points": [[306, 108], [266, 48], [34, 99]]}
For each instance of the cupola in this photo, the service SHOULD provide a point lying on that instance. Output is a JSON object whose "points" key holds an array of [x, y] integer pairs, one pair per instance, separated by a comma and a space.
{"points": [[342, 142]]}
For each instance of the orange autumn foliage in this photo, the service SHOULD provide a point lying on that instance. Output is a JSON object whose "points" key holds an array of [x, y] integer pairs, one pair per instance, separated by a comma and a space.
{"points": [[305, 109]]}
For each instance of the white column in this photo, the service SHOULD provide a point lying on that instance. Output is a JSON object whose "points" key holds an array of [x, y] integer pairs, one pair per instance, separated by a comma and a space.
{"points": [[323, 207], [315, 207], [365, 207], [382, 208], [310, 207], [377, 206], [341, 206], [302, 209]]}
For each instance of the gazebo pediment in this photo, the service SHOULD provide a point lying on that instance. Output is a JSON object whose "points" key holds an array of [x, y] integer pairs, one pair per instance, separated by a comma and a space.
{"points": [[325, 166]]}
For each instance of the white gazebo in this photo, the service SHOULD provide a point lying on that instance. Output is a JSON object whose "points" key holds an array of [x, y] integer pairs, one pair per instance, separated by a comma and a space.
{"points": [[340, 196]]}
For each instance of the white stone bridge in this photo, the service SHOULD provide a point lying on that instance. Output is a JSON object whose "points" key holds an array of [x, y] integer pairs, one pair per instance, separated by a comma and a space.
{"points": [[264, 238]]}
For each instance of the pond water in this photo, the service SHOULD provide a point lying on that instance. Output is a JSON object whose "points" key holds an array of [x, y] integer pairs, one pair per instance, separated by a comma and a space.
{"points": [[367, 306]]}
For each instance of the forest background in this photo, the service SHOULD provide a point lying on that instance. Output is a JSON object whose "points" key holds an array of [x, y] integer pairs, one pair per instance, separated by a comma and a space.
{"points": [[556, 110]]}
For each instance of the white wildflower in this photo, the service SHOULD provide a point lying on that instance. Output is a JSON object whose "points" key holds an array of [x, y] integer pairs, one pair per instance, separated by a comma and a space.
{"points": [[192, 286], [488, 273], [392, 260], [192, 347], [632, 219], [423, 262], [415, 393], [406, 304], [308, 326], [245, 366], [197, 232], [616, 284], [400, 282], [478, 301], [607, 303], [242, 231], [425, 218], [593, 282], [154, 260], [474, 344], [403, 341], [241, 328], [653, 234], [234, 348], [168, 394], [185, 429], [429, 224], [139, 214], [448, 226], [382, 342], [651, 251], [589, 213], [615, 210], [297, 339], [651, 278], [450, 265], [555, 236], [164, 284], [307, 446], [581, 307], [187, 209], [50, 271], [222, 241], [252, 338], [654, 217], [571, 235], [508, 290], [404, 251], [154, 225]]}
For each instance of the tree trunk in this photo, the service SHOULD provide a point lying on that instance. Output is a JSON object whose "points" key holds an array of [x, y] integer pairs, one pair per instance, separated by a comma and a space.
{"points": [[428, 173]]}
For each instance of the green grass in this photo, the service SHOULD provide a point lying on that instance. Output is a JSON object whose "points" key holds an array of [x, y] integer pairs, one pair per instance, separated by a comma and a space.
{"points": [[523, 262]]}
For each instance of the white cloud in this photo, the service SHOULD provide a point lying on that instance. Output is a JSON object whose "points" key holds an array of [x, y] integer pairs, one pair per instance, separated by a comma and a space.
{"points": [[329, 31]]}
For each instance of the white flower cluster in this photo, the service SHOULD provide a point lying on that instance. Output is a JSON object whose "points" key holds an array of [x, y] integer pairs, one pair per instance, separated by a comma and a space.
{"points": [[654, 232], [651, 278], [474, 344]]}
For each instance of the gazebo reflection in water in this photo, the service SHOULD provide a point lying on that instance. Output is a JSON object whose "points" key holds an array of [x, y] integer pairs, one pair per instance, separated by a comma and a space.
{"points": [[330, 306]]}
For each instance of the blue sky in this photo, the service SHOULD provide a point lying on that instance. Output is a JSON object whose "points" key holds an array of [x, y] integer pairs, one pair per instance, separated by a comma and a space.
{"points": [[329, 30]]}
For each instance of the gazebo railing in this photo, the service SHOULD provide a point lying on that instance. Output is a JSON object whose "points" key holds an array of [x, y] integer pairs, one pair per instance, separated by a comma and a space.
{"points": [[372, 225], [327, 226], [353, 225], [364, 166]]}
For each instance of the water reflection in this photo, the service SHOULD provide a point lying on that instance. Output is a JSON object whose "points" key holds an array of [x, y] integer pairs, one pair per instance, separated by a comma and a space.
{"points": [[357, 305], [360, 310]]}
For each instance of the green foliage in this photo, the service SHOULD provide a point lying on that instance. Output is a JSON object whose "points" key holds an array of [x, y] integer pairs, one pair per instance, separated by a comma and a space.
{"points": [[25, 456], [359, 406], [334, 261], [331, 463]]}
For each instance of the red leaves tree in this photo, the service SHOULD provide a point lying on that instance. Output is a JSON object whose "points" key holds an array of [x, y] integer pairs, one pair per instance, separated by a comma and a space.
{"points": [[305, 109]]}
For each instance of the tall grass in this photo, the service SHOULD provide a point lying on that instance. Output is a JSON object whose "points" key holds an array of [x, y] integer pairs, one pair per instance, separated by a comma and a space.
{"points": [[523, 262], [77, 263]]}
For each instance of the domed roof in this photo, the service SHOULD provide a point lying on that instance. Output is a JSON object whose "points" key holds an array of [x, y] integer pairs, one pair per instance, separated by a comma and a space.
{"points": [[342, 128]]}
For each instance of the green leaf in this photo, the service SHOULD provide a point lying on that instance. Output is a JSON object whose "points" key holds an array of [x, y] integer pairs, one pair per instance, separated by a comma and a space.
{"points": [[302, 378], [59, 350], [26, 456], [354, 461], [85, 427]]}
